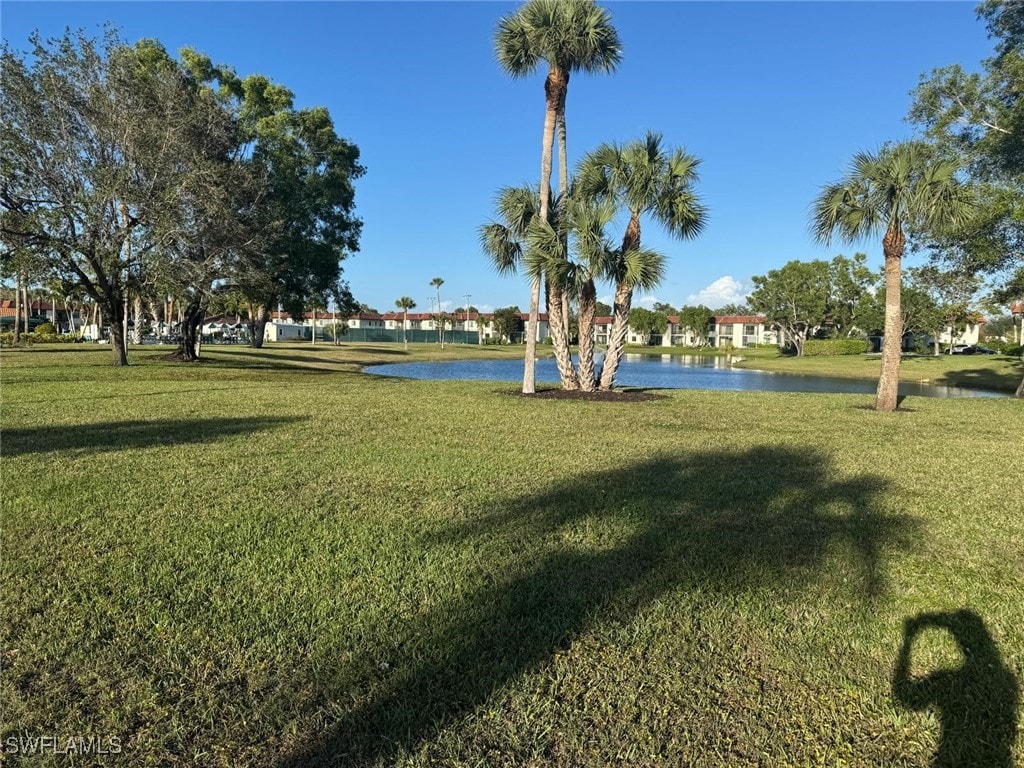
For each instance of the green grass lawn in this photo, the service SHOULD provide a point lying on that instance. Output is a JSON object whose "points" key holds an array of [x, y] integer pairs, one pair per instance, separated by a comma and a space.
{"points": [[272, 559], [995, 372]]}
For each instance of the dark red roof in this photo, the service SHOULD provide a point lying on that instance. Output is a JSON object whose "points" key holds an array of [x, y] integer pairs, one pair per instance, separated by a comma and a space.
{"points": [[752, 319]]}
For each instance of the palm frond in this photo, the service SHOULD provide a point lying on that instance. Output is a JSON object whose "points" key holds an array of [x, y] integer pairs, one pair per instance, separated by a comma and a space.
{"points": [[642, 269], [502, 247]]}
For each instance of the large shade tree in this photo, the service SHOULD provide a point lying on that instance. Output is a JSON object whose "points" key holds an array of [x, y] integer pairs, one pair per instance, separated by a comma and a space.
{"points": [[570, 36], [103, 147], [899, 189], [979, 115], [647, 180]]}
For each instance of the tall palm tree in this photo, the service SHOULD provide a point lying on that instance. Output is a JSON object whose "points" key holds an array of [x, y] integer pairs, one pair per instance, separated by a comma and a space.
{"points": [[570, 35], [902, 187], [646, 179], [437, 282], [405, 304], [508, 244]]}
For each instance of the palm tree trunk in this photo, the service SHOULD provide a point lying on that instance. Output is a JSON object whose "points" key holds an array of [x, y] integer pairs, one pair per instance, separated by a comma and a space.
{"points": [[17, 307], [530, 358], [617, 338], [560, 339], [559, 318], [588, 305], [1020, 389], [892, 346], [622, 304], [25, 304], [138, 315], [552, 84]]}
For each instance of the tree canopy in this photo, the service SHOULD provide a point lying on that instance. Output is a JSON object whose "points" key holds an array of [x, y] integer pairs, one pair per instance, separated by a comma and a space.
{"points": [[136, 174]]}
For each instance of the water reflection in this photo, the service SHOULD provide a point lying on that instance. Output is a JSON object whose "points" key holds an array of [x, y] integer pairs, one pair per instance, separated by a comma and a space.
{"points": [[671, 372]]}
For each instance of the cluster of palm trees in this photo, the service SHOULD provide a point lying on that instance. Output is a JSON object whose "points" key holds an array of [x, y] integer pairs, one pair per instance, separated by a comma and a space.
{"points": [[560, 241]]}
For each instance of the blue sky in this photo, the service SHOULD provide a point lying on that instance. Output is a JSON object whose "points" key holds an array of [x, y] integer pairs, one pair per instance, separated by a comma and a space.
{"points": [[773, 97]]}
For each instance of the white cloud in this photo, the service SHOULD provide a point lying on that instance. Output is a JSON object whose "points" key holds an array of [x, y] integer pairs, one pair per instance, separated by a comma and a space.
{"points": [[724, 290], [647, 302], [606, 299]]}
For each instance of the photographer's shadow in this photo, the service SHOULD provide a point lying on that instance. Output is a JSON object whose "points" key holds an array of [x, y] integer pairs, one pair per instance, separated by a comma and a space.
{"points": [[977, 702]]}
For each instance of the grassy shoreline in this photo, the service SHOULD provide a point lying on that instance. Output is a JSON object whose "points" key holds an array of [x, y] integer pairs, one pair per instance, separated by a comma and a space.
{"points": [[272, 559], [998, 373]]}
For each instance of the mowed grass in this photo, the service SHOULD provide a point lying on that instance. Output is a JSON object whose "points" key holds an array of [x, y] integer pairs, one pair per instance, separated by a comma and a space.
{"points": [[271, 559]]}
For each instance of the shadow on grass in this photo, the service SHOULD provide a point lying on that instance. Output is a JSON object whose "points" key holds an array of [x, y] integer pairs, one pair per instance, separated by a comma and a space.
{"points": [[256, 360], [717, 522], [977, 702], [984, 378], [276, 360], [126, 435]]}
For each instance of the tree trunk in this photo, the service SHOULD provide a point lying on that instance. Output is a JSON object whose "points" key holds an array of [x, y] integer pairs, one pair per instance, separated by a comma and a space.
{"points": [[17, 307], [114, 307], [530, 358], [25, 304], [620, 311], [623, 303], [554, 83], [138, 310], [1020, 389], [258, 318], [588, 306], [560, 340], [71, 317], [892, 347], [189, 346]]}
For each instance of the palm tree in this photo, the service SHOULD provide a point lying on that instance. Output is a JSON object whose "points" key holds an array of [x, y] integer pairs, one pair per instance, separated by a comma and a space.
{"points": [[507, 243], [405, 304], [903, 186], [570, 35], [574, 255], [437, 282], [646, 179]]}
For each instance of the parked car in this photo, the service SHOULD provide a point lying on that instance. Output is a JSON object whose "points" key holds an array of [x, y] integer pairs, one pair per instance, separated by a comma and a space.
{"points": [[962, 349]]}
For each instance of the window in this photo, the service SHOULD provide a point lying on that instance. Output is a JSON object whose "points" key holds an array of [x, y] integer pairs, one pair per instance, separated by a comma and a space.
{"points": [[749, 330]]}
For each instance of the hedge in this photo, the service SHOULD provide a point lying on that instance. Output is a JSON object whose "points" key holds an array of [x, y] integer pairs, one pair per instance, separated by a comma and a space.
{"points": [[834, 347]]}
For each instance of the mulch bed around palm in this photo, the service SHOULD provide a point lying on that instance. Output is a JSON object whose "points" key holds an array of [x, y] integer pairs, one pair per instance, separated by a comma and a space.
{"points": [[614, 396]]}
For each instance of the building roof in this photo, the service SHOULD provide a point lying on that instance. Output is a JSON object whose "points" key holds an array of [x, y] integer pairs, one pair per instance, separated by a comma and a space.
{"points": [[751, 319]]}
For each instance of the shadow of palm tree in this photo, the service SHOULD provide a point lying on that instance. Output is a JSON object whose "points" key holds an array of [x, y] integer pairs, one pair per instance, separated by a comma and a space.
{"points": [[723, 520], [984, 378], [125, 435], [977, 702]]}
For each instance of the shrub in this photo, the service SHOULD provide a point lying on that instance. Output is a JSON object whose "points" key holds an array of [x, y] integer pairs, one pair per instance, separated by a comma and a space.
{"points": [[45, 329], [834, 347]]}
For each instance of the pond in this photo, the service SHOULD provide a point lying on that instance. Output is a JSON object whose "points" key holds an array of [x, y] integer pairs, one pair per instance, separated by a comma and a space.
{"points": [[670, 372]]}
